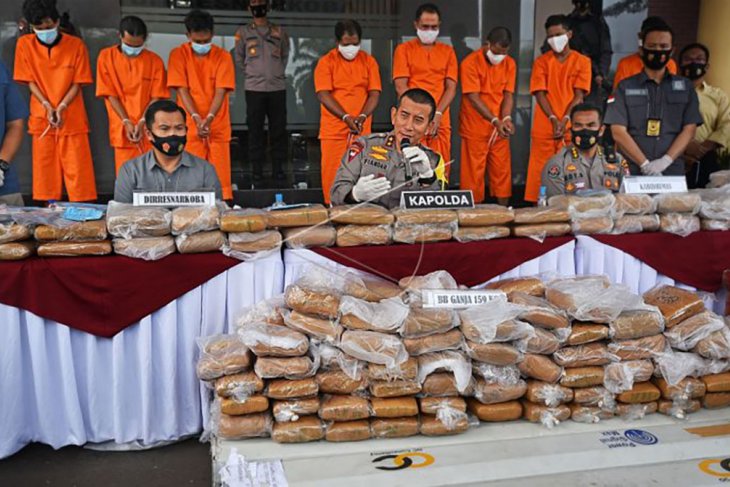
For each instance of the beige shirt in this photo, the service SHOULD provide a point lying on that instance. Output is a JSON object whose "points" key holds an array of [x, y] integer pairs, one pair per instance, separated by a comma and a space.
{"points": [[568, 172], [715, 111]]}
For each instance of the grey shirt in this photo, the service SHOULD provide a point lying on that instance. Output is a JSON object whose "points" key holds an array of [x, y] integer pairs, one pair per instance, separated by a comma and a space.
{"points": [[143, 173], [638, 98], [377, 154], [568, 172], [262, 53]]}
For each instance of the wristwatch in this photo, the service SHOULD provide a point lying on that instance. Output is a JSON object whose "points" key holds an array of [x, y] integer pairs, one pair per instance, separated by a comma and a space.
{"points": [[4, 166]]}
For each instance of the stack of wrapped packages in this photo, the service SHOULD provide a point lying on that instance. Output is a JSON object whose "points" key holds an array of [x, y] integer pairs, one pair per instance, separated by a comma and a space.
{"points": [[140, 232], [541, 222], [590, 213], [196, 229], [15, 239], [483, 222], [715, 208], [248, 234], [72, 239], [635, 213], [304, 226], [678, 212], [423, 226], [364, 224]]}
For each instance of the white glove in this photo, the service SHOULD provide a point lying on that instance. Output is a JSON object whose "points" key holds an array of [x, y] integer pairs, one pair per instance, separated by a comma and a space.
{"points": [[2, 178], [657, 166], [420, 163], [368, 189]]}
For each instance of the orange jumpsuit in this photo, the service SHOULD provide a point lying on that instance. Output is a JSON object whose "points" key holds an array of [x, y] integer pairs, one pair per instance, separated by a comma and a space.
{"points": [[558, 80], [135, 82], [349, 83], [481, 148], [428, 68], [202, 75], [631, 65], [60, 155]]}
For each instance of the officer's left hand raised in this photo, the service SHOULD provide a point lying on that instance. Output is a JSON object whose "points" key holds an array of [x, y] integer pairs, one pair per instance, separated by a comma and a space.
{"points": [[420, 163]]}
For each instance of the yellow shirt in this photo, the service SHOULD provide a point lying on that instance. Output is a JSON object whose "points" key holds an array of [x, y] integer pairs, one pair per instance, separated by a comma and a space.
{"points": [[715, 110]]}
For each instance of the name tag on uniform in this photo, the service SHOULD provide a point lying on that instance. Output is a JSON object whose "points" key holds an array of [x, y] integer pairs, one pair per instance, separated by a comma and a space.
{"points": [[678, 85], [653, 127], [637, 92], [460, 299], [188, 198], [654, 184]]}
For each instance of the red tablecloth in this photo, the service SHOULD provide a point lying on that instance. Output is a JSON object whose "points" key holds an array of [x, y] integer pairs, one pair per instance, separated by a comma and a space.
{"points": [[470, 263], [697, 260], [104, 295]]}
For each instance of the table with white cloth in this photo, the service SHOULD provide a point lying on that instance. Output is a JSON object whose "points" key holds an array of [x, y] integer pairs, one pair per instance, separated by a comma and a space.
{"points": [[63, 386]]}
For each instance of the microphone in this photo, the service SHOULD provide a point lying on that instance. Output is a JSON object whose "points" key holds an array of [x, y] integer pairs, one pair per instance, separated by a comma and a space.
{"points": [[405, 142]]}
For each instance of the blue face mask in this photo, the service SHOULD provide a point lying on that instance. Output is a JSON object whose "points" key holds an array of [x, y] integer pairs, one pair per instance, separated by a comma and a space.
{"points": [[131, 51], [47, 36], [201, 48]]}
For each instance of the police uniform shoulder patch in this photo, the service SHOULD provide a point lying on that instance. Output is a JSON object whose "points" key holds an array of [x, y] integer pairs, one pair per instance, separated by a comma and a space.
{"points": [[390, 141], [378, 156], [571, 168], [379, 149], [355, 149], [554, 172]]}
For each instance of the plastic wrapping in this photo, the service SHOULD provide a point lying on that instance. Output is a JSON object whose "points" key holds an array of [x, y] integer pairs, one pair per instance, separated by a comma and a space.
{"points": [[551, 395], [590, 226], [638, 323], [348, 431], [679, 408], [495, 374], [267, 311], [355, 235], [541, 231], [273, 341], [326, 330], [715, 225], [477, 234], [540, 367], [687, 203], [539, 311], [425, 217], [286, 368], [306, 237], [127, 221], [528, 285], [249, 405], [81, 231], [221, 355], [715, 366], [635, 412], [588, 414], [588, 204], [249, 246], [425, 233], [17, 250], [640, 393], [434, 426], [451, 340], [394, 427], [303, 216], [240, 427], [636, 224], [407, 370], [495, 321], [504, 411], [596, 397], [197, 243], [591, 354], [451, 361], [485, 216], [583, 377], [634, 204], [395, 407], [605, 306], [715, 346], [338, 382], [13, 232], [639, 349], [332, 358], [31, 216], [569, 293], [396, 388], [679, 224], [431, 405], [539, 215], [361, 214], [493, 353], [443, 384], [688, 333], [239, 386], [687, 388], [452, 418], [386, 316], [620, 377], [715, 204], [675, 304], [374, 347], [313, 301], [306, 429], [542, 342], [75, 249], [547, 416], [292, 389], [247, 220], [293, 409], [719, 179], [368, 287], [582, 333], [493, 392], [149, 248], [194, 219], [423, 322]]}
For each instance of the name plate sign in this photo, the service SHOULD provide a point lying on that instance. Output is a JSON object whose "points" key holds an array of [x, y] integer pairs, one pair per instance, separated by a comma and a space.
{"points": [[188, 198], [461, 299], [442, 200], [654, 184]]}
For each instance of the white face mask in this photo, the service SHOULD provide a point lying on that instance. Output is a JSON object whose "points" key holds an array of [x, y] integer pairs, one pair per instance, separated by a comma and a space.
{"points": [[641, 43], [495, 58], [427, 36], [558, 43], [349, 52]]}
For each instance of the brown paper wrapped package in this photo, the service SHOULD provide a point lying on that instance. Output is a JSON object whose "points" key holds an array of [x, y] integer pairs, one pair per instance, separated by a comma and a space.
{"points": [[431, 405], [641, 392], [487, 393], [421, 322], [685, 334], [540, 312], [297, 217], [640, 370], [371, 288], [493, 413], [636, 324], [715, 346], [276, 367], [561, 293], [194, 219], [424, 217], [542, 230], [348, 431], [394, 407], [323, 329], [582, 377], [582, 333], [540, 367], [639, 349], [254, 242], [373, 347], [630, 409], [253, 404], [361, 214], [74, 249], [237, 221], [306, 237], [422, 233], [675, 304], [17, 250], [355, 235], [451, 340], [716, 400], [678, 203], [408, 371], [503, 332], [535, 215], [432, 426], [337, 382], [228, 385], [590, 226], [148, 248], [477, 234], [289, 389], [223, 355], [588, 414], [131, 222], [443, 384], [717, 382], [394, 427], [542, 342], [395, 388], [274, 340], [679, 223], [313, 302], [634, 204], [344, 408], [308, 428], [485, 216], [587, 355], [687, 388], [82, 231], [670, 408], [636, 224], [248, 426], [535, 412], [13, 232], [543, 393], [528, 285], [197, 243], [591, 396], [493, 353], [293, 409]]}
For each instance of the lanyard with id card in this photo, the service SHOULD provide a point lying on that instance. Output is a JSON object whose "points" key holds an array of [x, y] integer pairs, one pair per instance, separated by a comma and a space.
{"points": [[654, 124]]}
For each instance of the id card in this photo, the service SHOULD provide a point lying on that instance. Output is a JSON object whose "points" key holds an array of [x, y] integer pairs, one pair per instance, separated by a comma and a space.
{"points": [[653, 127]]}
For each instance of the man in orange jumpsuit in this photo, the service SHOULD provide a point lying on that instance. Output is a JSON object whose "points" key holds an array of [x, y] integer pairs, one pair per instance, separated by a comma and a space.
{"points": [[203, 76], [347, 82], [129, 78], [55, 66], [632, 64], [432, 66], [560, 79], [485, 125]]}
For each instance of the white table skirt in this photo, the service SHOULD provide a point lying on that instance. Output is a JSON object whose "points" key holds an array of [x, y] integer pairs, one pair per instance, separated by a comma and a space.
{"points": [[62, 386], [594, 257], [557, 262]]}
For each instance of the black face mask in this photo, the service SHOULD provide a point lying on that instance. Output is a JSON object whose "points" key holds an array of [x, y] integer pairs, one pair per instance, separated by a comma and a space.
{"points": [[172, 145], [259, 11], [694, 71], [584, 139], [655, 58], [581, 5]]}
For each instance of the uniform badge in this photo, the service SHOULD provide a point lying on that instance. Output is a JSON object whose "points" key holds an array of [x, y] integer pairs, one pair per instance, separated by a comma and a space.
{"points": [[554, 172], [653, 127], [355, 149], [379, 149], [570, 187], [571, 168], [608, 183], [378, 156], [390, 141], [252, 51], [611, 167], [678, 85]]}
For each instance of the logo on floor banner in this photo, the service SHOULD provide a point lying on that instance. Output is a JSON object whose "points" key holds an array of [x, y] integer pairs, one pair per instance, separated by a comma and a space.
{"points": [[641, 437], [717, 467], [399, 460], [627, 439]]}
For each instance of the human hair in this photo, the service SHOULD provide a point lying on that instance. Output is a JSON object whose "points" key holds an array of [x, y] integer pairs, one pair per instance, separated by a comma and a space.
{"points": [[133, 26], [656, 25], [167, 106], [35, 11], [558, 19], [199, 21], [428, 8], [423, 97], [587, 107], [500, 36], [348, 26], [696, 45]]}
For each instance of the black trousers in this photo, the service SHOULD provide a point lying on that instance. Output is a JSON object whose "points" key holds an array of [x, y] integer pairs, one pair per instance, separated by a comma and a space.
{"points": [[262, 105], [699, 175]]}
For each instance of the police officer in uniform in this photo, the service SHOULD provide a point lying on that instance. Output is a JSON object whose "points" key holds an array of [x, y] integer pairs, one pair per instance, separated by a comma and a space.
{"points": [[377, 168], [654, 115], [262, 51], [583, 164]]}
